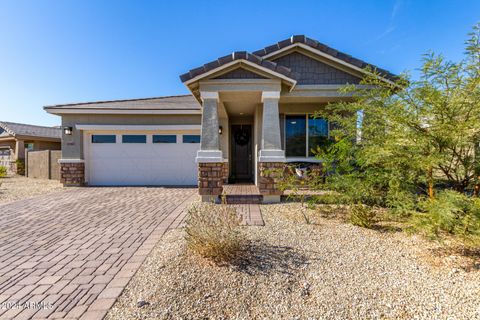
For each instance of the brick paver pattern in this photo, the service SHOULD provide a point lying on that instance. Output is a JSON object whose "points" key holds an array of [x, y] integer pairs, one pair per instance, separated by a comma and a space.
{"points": [[73, 252]]}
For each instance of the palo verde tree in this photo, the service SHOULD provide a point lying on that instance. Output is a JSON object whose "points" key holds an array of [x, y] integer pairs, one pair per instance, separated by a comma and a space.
{"points": [[415, 136]]}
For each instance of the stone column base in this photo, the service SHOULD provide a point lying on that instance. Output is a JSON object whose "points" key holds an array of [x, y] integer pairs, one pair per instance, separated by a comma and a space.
{"points": [[210, 179], [269, 174], [72, 174], [225, 172]]}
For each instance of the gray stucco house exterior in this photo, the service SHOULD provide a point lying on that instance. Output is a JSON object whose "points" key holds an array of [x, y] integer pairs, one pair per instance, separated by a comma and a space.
{"points": [[247, 113]]}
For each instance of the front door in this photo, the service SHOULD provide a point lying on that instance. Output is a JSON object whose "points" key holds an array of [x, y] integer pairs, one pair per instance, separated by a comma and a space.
{"points": [[241, 142]]}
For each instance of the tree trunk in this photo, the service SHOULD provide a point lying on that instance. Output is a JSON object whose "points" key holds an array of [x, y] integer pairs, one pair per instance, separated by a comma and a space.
{"points": [[476, 189], [430, 183]]}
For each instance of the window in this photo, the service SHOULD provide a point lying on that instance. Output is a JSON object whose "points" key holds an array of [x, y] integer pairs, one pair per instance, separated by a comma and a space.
{"points": [[295, 132], [303, 133], [317, 133], [4, 152], [163, 138], [189, 138], [134, 138], [104, 138], [29, 146]]}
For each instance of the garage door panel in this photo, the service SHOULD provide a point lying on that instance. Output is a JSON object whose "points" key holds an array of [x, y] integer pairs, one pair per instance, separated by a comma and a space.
{"points": [[142, 163]]}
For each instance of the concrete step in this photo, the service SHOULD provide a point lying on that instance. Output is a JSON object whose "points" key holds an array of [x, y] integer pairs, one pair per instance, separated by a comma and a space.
{"points": [[244, 199]]}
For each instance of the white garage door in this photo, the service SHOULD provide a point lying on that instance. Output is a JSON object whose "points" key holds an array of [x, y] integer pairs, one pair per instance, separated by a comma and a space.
{"points": [[125, 159]]}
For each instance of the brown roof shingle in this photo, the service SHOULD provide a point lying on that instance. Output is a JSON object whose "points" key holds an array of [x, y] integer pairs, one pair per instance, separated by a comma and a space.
{"points": [[237, 55]]}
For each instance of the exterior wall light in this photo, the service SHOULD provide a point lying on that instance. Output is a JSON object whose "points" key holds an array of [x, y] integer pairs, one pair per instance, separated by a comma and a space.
{"points": [[220, 130], [67, 131]]}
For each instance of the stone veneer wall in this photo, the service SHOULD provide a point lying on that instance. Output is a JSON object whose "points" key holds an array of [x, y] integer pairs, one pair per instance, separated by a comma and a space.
{"points": [[225, 172], [269, 172], [72, 174], [210, 178]]}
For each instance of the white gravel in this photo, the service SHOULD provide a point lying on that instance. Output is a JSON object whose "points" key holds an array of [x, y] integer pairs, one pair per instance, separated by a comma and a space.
{"points": [[326, 270], [18, 187]]}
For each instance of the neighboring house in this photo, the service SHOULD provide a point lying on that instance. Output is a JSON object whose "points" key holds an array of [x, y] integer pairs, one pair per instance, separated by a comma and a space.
{"points": [[15, 138], [248, 113]]}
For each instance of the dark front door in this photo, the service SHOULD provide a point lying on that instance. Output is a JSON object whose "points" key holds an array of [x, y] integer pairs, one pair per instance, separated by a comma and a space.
{"points": [[241, 153]]}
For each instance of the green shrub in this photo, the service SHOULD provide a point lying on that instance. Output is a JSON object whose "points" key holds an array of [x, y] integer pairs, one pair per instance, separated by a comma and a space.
{"points": [[212, 231], [450, 212], [331, 198], [3, 171], [20, 167], [362, 216]]}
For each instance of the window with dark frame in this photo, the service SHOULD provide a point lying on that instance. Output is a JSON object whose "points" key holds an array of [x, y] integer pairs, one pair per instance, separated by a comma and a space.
{"points": [[164, 138], [317, 134], [104, 138], [29, 146], [191, 138], [134, 138], [303, 134], [295, 132]]}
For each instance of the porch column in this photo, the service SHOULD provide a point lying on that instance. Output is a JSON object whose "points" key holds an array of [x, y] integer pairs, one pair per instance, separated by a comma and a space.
{"points": [[209, 157], [271, 157], [19, 165]]}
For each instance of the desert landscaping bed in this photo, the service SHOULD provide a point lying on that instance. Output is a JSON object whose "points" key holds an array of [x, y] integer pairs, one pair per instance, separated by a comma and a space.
{"points": [[293, 270], [18, 187]]}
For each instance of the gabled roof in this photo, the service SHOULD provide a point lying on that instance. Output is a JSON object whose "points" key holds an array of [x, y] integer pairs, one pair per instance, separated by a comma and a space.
{"points": [[184, 104], [262, 57], [20, 129], [314, 44], [238, 56]]}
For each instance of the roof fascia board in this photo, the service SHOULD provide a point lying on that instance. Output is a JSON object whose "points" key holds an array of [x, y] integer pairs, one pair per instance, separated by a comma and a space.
{"points": [[41, 138], [240, 85], [60, 111], [107, 127]]}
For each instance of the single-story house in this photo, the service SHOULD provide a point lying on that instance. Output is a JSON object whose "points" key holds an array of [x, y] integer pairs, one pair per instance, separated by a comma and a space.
{"points": [[247, 113], [15, 138]]}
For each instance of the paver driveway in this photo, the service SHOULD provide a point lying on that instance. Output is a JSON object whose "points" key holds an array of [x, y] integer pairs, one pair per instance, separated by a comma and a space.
{"points": [[70, 254]]}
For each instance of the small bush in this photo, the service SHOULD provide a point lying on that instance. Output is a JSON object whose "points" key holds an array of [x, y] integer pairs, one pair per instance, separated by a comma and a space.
{"points": [[213, 232], [450, 212], [362, 216], [20, 167], [331, 198], [3, 171]]}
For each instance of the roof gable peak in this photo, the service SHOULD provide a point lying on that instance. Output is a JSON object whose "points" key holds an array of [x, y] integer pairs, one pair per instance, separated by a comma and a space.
{"points": [[323, 50]]}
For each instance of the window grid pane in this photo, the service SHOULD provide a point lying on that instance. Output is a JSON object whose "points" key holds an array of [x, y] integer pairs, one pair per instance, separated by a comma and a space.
{"points": [[190, 138], [295, 135], [317, 134], [164, 138], [134, 138], [104, 138]]}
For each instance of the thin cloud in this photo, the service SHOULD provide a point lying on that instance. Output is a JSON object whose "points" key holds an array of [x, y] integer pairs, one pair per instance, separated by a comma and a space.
{"points": [[391, 23], [396, 8]]}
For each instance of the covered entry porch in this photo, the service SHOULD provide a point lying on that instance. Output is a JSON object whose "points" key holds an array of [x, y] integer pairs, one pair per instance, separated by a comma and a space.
{"points": [[240, 138]]}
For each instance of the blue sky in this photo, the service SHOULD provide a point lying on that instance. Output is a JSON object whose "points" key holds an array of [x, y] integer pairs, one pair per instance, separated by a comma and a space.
{"points": [[55, 51]]}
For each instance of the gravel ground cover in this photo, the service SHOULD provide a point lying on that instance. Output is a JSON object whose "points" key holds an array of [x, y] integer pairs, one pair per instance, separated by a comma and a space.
{"points": [[18, 187], [293, 270]]}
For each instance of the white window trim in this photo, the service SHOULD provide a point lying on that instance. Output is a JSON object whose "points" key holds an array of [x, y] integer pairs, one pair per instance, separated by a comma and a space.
{"points": [[297, 158]]}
